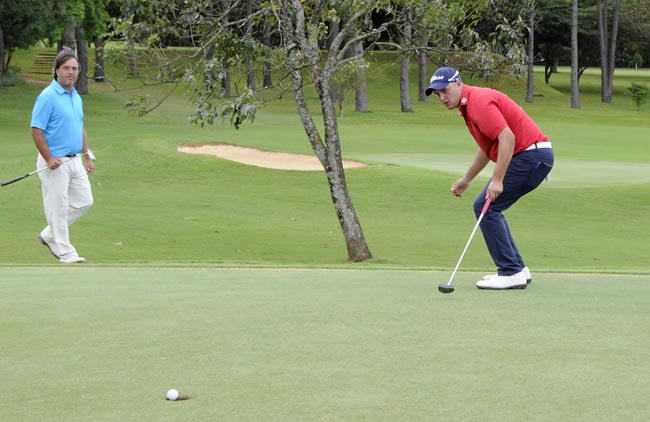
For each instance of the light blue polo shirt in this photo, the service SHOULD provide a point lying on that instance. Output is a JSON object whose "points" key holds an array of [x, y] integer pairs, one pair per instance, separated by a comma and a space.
{"points": [[59, 115]]}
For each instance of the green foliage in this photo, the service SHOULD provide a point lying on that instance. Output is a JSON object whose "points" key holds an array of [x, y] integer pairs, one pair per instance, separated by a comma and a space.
{"points": [[12, 79], [238, 110], [348, 77], [639, 94], [22, 22]]}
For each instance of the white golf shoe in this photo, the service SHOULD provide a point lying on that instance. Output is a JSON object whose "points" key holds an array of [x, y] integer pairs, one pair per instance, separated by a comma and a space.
{"points": [[72, 259], [526, 272], [503, 282]]}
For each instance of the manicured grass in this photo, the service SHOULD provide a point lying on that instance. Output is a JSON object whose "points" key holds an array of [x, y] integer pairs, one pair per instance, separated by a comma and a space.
{"points": [[105, 344], [154, 205], [187, 283]]}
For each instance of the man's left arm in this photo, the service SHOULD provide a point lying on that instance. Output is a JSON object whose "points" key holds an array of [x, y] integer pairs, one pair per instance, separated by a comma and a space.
{"points": [[90, 164], [506, 147]]}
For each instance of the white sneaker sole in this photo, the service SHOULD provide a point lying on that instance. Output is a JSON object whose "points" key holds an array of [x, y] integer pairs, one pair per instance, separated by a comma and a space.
{"points": [[489, 276], [516, 287], [77, 260]]}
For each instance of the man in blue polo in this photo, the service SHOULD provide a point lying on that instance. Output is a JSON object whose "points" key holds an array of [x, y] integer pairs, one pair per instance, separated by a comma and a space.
{"points": [[523, 158], [59, 134]]}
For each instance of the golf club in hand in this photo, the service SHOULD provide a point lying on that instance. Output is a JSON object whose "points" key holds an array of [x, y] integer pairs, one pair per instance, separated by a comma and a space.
{"points": [[24, 176], [448, 288]]}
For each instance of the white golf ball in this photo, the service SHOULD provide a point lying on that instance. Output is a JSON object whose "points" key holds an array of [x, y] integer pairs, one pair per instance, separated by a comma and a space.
{"points": [[172, 395]]}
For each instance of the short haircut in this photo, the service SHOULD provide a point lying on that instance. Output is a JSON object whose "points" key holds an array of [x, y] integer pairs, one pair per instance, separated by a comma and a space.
{"points": [[63, 56]]}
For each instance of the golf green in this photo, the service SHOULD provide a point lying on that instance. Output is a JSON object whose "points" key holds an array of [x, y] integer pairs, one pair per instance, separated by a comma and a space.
{"points": [[106, 343]]}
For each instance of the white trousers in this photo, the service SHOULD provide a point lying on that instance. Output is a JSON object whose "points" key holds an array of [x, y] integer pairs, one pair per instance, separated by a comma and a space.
{"points": [[66, 197]]}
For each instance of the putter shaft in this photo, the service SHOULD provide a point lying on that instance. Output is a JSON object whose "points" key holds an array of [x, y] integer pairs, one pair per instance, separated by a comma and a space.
{"points": [[478, 222]]}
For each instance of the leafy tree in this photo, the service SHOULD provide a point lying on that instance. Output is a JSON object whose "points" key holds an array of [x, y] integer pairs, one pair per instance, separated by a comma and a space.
{"points": [[20, 27], [300, 30], [634, 33], [553, 36]]}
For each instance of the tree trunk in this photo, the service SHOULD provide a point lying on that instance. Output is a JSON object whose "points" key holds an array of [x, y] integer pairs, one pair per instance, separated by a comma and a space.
{"points": [[267, 79], [612, 50], [603, 36], [547, 73], [575, 91], [133, 69], [2, 59], [250, 74], [98, 73], [404, 93], [82, 56], [225, 81], [329, 154], [68, 38], [530, 86], [332, 31], [423, 77], [361, 98], [607, 52]]}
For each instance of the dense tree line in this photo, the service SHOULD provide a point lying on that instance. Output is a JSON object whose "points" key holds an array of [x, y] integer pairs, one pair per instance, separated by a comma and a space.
{"points": [[78, 23]]}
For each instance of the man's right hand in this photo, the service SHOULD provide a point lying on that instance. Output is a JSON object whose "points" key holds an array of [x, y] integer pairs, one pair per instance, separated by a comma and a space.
{"points": [[53, 163], [460, 186]]}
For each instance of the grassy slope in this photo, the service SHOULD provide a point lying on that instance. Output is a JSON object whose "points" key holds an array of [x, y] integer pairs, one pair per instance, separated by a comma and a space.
{"points": [[156, 205]]}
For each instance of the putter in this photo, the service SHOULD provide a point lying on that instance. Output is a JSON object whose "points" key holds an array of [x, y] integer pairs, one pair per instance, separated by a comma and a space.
{"points": [[448, 288], [24, 176]]}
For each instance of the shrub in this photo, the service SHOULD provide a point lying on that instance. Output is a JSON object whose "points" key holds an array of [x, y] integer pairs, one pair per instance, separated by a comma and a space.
{"points": [[12, 79], [639, 94]]}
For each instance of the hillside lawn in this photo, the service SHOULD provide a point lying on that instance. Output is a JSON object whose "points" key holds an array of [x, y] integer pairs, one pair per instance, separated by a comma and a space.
{"points": [[230, 282]]}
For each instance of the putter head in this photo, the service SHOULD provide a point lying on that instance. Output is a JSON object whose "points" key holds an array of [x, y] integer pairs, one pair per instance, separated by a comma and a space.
{"points": [[445, 288]]}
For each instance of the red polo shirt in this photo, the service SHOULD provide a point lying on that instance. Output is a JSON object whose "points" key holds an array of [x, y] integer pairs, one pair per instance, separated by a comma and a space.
{"points": [[487, 112]]}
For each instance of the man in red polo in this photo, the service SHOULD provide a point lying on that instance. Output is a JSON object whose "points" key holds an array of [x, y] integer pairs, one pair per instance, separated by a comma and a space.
{"points": [[506, 135]]}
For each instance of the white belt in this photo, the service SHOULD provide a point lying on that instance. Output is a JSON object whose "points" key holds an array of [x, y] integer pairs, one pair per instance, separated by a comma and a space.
{"points": [[545, 144]]}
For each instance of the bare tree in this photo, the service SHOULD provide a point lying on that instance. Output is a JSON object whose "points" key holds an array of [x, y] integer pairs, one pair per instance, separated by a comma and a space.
{"points": [[575, 91], [607, 51]]}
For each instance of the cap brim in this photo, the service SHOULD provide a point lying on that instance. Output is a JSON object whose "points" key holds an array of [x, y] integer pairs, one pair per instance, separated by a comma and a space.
{"points": [[436, 86]]}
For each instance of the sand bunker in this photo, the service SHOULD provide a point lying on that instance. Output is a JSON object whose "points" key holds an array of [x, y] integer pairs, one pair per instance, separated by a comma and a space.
{"points": [[259, 158]]}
